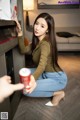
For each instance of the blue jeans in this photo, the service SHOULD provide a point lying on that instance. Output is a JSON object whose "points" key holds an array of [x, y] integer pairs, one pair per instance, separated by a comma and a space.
{"points": [[48, 83]]}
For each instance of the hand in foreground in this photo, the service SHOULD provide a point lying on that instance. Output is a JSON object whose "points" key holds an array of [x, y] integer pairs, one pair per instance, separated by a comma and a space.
{"points": [[32, 85], [6, 88]]}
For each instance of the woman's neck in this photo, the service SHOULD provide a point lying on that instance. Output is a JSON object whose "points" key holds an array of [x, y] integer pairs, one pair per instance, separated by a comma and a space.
{"points": [[41, 37]]}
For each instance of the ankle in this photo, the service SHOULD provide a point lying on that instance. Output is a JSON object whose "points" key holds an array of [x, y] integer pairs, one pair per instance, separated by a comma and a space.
{"points": [[57, 98], [58, 93]]}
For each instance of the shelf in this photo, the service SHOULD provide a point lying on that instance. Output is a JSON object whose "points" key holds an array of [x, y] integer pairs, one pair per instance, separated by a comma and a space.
{"points": [[8, 45], [5, 23]]}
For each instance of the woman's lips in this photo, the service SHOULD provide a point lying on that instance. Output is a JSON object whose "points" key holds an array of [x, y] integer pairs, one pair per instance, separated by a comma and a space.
{"points": [[36, 32]]}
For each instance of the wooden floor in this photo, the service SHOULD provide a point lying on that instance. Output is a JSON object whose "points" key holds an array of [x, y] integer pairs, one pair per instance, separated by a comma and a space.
{"points": [[69, 109]]}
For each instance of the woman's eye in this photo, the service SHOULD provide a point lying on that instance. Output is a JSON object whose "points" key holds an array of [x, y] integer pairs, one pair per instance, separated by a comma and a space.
{"points": [[42, 26]]}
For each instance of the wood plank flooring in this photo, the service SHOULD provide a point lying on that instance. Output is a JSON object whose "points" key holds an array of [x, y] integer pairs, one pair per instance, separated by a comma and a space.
{"points": [[69, 109]]}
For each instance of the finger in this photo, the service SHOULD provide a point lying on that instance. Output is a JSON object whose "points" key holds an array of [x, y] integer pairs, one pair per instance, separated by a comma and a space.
{"points": [[7, 78], [9, 81], [18, 86], [31, 89], [30, 85], [27, 86]]}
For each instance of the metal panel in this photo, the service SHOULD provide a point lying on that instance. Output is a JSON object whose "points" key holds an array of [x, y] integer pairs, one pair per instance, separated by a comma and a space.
{"points": [[3, 70], [18, 62]]}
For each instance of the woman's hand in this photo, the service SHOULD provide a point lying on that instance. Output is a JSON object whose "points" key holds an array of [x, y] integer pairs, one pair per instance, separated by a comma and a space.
{"points": [[32, 85]]}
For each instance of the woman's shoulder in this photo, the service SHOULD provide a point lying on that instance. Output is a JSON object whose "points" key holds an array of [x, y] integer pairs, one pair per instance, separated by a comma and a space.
{"points": [[45, 46], [46, 43]]}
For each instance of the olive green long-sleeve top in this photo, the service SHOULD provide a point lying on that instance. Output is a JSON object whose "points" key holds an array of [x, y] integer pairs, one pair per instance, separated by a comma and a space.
{"points": [[41, 56]]}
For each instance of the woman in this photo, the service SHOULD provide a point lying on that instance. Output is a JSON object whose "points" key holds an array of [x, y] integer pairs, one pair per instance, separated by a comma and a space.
{"points": [[47, 77]]}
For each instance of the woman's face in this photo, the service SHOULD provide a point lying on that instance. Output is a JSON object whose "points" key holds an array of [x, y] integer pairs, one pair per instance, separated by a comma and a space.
{"points": [[40, 28]]}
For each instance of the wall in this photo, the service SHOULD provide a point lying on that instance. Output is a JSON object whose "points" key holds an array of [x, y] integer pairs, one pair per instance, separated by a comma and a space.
{"points": [[62, 17]]}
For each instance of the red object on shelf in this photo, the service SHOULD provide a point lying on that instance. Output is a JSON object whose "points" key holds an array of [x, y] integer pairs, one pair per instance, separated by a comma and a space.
{"points": [[6, 40]]}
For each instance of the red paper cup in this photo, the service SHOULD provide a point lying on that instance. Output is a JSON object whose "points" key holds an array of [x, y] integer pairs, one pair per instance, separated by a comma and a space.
{"points": [[25, 74]]}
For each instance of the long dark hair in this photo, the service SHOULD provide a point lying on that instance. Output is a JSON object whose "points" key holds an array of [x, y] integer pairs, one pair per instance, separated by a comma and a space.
{"points": [[51, 37]]}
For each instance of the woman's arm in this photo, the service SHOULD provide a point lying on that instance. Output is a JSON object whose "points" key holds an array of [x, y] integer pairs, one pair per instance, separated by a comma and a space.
{"points": [[24, 49], [45, 51]]}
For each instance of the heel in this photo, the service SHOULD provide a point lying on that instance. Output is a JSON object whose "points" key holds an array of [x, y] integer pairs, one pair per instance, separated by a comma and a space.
{"points": [[63, 98], [58, 96]]}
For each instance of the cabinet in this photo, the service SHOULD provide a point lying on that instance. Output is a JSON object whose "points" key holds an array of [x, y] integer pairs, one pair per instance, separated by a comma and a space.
{"points": [[11, 60]]}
